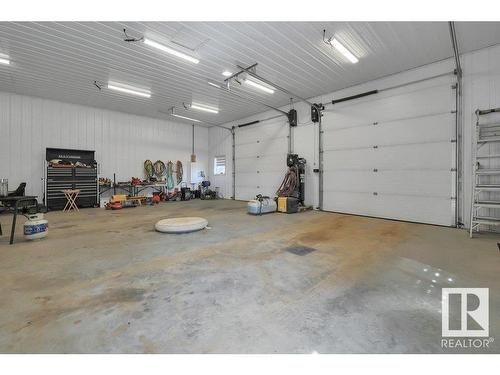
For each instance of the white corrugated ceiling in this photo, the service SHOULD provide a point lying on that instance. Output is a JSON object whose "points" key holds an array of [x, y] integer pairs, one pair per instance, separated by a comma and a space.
{"points": [[60, 60]]}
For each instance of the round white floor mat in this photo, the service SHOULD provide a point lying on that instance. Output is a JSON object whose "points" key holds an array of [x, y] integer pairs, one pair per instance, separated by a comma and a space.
{"points": [[181, 224]]}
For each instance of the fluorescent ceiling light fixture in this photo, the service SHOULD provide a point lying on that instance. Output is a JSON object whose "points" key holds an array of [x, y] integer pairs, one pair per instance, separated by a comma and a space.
{"points": [[184, 117], [129, 89], [4, 61], [171, 51], [259, 86], [226, 73], [343, 50], [205, 108], [172, 113], [214, 84]]}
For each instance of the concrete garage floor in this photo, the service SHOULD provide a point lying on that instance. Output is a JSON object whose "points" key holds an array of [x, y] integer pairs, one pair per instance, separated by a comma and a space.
{"points": [[106, 282]]}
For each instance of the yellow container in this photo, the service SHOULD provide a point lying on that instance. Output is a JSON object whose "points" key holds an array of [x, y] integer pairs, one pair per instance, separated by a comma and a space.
{"points": [[282, 204], [118, 198]]}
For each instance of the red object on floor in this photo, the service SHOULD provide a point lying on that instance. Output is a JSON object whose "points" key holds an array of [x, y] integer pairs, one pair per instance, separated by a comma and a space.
{"points": [[114, 206]]}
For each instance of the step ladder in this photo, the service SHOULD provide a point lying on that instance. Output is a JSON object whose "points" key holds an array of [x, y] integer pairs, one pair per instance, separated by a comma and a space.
{"points": [[485, 210]]}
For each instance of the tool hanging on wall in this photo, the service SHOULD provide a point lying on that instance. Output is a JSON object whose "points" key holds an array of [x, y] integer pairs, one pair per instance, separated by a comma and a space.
{"points": [[170, 175], [159, 168], [148, 169], [179, 172]]}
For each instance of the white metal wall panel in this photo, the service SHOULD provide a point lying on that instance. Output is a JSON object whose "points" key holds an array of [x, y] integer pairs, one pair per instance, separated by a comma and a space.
{"points": [[392, 155], [260, 158], [389, 156], [393, 207], [122, 142]]}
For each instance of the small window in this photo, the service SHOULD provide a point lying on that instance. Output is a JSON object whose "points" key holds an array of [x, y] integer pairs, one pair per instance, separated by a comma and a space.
{"points": [[219, 165]]}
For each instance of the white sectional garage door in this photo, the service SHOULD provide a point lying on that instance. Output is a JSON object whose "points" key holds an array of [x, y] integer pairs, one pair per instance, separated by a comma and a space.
{"points": [[392, 154], [260, 155]]}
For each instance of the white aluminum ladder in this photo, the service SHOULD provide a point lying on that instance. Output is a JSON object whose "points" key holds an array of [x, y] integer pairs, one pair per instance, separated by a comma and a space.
{"points": [[485, 178]]}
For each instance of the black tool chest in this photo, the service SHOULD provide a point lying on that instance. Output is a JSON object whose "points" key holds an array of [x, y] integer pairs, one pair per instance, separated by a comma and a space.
{"points": [[71, 176]]}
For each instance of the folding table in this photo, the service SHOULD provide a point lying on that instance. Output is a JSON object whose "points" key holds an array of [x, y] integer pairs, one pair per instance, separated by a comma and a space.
{"points": [[71, 195]]}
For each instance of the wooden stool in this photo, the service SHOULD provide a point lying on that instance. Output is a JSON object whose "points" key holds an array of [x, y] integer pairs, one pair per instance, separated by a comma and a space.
{"points": [[71, 195]]}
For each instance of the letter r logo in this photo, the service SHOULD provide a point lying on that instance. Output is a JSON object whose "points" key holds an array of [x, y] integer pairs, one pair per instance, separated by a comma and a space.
{"points": [[465, 312]]}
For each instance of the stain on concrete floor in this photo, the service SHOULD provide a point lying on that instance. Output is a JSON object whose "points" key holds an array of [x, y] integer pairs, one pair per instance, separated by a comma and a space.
{"points": [[300, 250], [106, 282]]}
